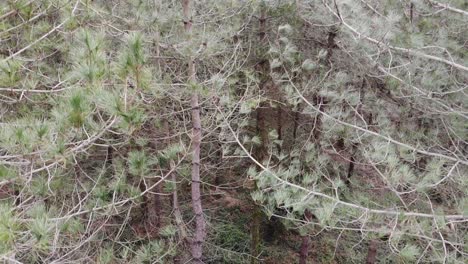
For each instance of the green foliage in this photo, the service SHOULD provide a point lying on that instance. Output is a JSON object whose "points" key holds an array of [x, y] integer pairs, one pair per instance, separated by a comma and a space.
{"points": [[363, 103], [9, 228], [232, 237], [168, 231], [139, 163], [106, 256], [72, 226], [10, 74], [308, 65], [77, 114], [132, 62], [409, 254], [132, 119], [41, 230], [6, 173], [151, 252], [169, 154], [233, 242]]}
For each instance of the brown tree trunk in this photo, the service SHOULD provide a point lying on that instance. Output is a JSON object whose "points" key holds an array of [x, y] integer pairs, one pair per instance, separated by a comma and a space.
{"points": [[331, 44], [199, 236], [297, 120], [317, 131], [255, 233], [304, 253], [260, 154], [372, 252], [261, 150], [200, 232], [354, 148], [279, 114]]}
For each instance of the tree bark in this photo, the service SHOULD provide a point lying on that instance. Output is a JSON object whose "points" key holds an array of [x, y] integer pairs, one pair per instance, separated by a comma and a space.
{"points": [[261, 150], [317, 131], [304, 253], [296, 123], [279, 114], [372, 252], [304, 249], [200, 232]]}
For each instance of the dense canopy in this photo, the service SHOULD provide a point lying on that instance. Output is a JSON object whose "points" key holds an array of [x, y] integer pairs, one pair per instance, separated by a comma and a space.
{"points": [[233, 131]]}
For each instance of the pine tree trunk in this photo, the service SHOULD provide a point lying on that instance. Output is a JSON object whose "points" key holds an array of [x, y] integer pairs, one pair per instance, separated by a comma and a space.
{"points": [[279, 118], [261, 151], [304, 253], [372, 252], [257, 212], [297, 117], [200, 233], [317, 131], [199, 237], [255, 233]]}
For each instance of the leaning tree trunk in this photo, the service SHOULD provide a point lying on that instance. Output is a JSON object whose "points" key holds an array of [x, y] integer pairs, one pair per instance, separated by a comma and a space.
{"points": [[199, 234]]}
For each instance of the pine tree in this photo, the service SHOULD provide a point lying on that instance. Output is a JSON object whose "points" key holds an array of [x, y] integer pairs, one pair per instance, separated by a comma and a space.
{"points": [[320, 130]]}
